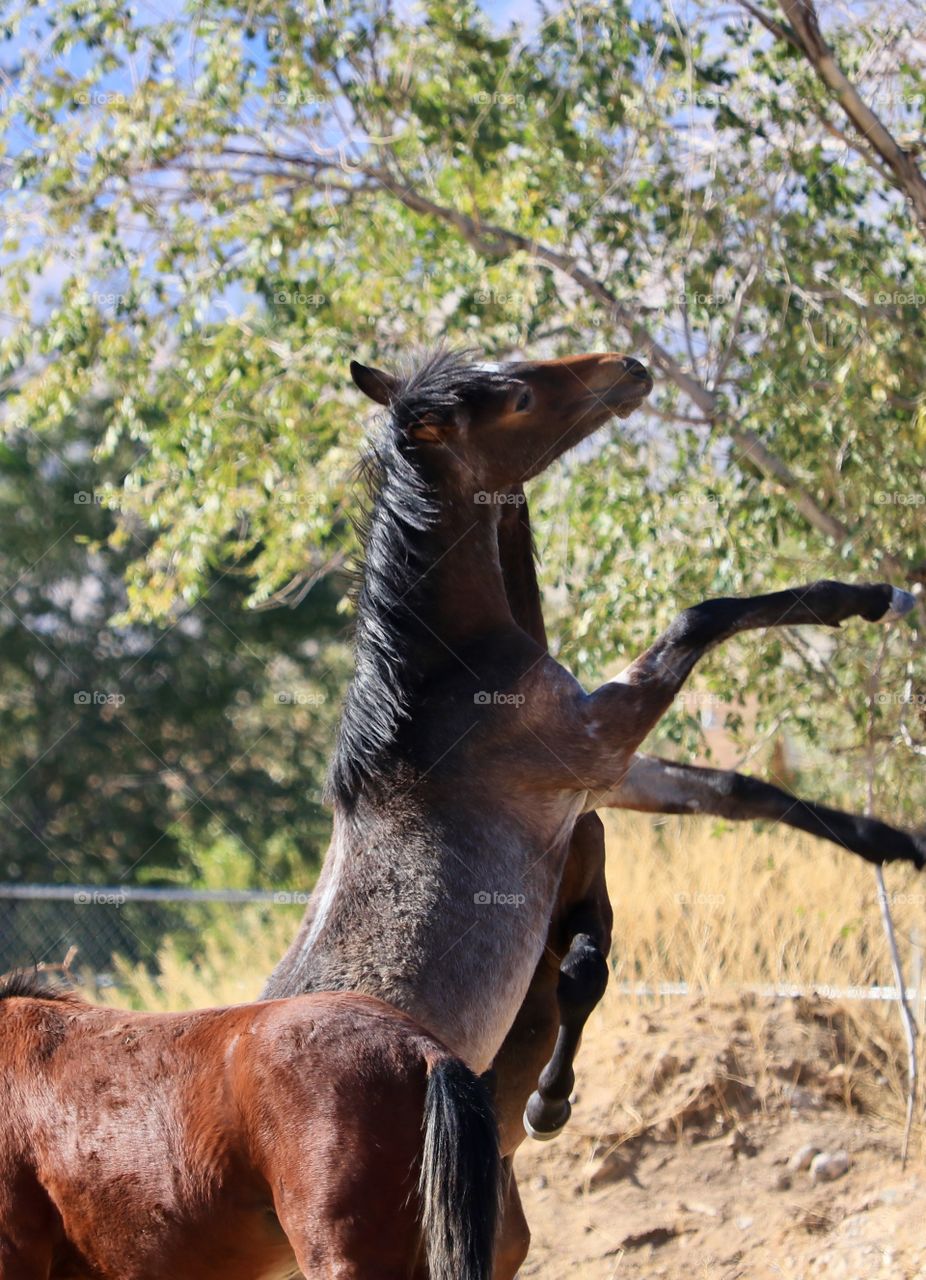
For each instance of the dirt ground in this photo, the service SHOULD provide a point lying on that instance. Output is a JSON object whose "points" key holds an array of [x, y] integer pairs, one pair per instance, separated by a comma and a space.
{"points": [[678, 1160]]}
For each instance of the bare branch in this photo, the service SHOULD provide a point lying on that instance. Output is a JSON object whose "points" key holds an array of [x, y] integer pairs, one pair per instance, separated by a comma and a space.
{"points": [[907, 1018]]}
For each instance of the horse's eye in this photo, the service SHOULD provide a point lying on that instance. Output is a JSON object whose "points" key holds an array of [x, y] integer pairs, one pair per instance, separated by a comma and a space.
{"points": [[525, 400]]}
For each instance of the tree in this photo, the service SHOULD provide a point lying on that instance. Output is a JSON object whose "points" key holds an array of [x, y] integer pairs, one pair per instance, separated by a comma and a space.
{"points": [[191, 752], [224, 221]]}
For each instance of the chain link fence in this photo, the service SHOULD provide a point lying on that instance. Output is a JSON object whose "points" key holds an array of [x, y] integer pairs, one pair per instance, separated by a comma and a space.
{"points": [[92, 926]]}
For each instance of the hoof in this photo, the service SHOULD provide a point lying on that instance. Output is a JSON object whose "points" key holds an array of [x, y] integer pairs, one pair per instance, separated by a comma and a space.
{"points": [[901, 604], [544, 1134]]}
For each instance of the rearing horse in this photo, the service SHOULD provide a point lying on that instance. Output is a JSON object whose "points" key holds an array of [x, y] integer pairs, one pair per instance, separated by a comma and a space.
{"points": [[466, 754]]}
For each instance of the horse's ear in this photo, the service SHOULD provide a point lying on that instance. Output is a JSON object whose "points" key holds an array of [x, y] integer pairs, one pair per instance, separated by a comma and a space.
{"points": [[375, 383]]}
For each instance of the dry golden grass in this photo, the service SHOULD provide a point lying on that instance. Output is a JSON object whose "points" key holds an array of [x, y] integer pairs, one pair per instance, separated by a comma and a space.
{"points": [[721, 909], [727, 907], [237, 955]]}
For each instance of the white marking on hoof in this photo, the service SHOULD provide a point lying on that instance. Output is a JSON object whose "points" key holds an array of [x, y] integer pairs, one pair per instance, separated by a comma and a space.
{"points": [[542, 1135], [901, 604]]}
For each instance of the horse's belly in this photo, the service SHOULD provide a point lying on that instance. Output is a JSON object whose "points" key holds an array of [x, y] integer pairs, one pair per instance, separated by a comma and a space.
{"points": [[220, 1245], [485, 940]]}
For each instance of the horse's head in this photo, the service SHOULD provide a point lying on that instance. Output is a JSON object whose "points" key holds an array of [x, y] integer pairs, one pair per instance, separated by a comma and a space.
{"points": [[488, 427]]}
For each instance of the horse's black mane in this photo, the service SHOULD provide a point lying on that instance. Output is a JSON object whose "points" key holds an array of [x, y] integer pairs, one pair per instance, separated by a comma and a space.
{"points": [[392, 613], [29, 983]]}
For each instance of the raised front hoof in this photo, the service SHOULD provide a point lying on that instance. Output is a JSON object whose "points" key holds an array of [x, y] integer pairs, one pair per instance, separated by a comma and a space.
{"points": [[901, 604], [545, 1120]]}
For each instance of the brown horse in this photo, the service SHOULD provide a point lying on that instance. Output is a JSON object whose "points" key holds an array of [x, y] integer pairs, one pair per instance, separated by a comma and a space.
{"points": [[326, 1134], [466, 755]]}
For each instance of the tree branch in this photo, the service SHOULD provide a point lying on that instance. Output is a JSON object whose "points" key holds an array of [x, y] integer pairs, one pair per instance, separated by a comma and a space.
{"points": [[809, 39]]}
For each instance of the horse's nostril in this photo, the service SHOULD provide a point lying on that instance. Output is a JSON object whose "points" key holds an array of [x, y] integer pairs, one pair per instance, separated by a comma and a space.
{"points": [[634, 367]]}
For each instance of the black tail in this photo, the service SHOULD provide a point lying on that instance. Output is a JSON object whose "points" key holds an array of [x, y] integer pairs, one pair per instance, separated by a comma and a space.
{"points": [[461, 1171]]}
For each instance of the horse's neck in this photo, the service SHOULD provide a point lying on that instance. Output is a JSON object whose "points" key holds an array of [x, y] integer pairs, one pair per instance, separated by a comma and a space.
{"points": [[463, 590], [519, 571], [431, 598]]}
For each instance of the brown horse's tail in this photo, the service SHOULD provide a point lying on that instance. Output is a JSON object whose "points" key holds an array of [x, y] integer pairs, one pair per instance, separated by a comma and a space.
{"points": [[460, 1185]]}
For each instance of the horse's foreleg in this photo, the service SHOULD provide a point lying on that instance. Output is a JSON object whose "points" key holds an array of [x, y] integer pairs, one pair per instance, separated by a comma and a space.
{"points": [[30, 1227], [583, 976], [631, 704], [652, 785], [699, 629]]}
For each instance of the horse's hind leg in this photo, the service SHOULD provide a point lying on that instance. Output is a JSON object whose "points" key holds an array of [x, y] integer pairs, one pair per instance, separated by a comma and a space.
{"points": [[514, 1237], [652, 785]]}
